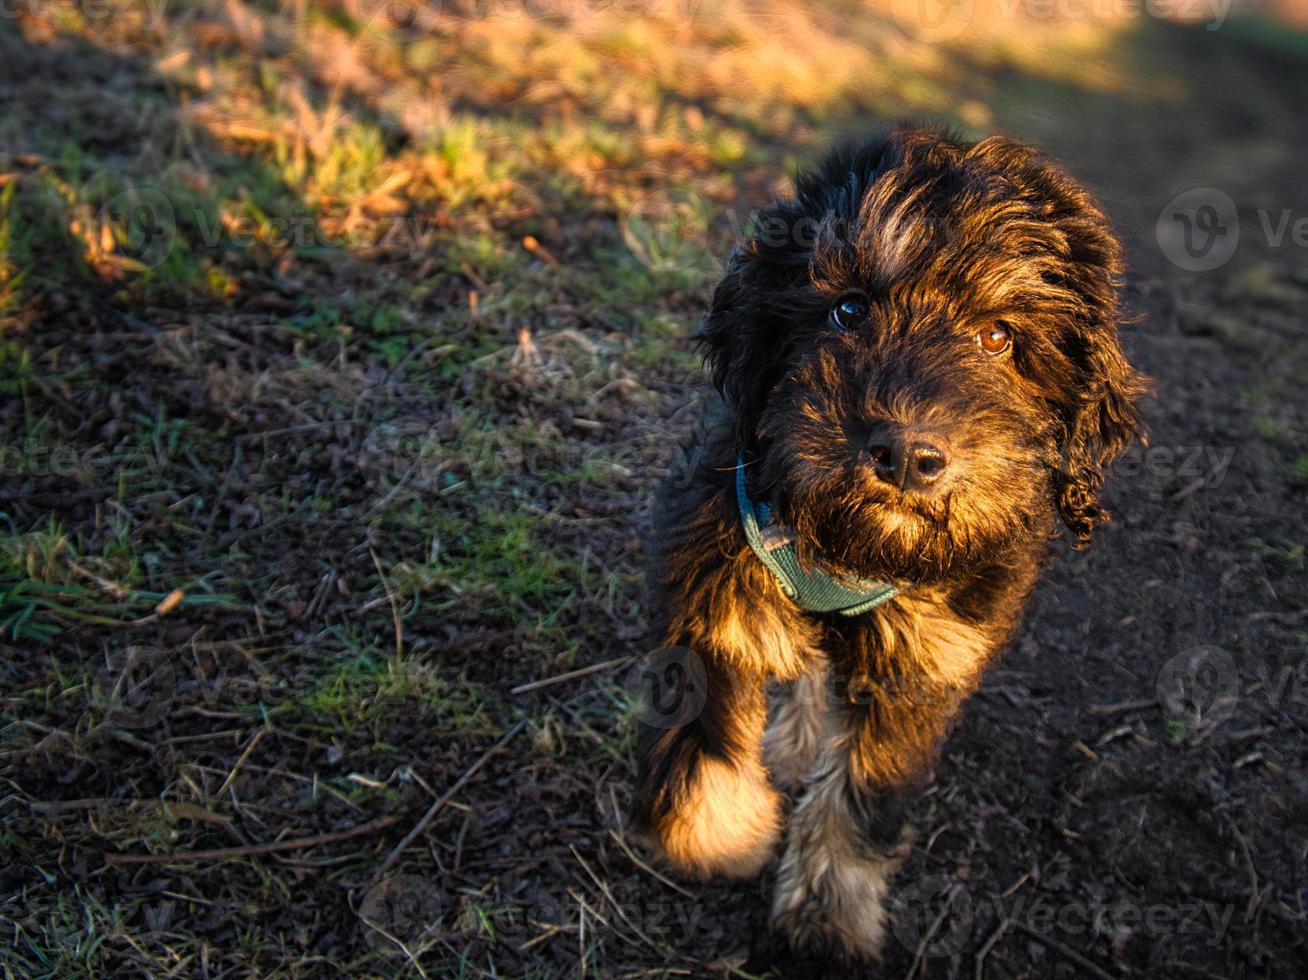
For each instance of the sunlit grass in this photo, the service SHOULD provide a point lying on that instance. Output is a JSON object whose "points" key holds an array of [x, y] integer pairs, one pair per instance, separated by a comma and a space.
{"points": [[313, 115], [389, 404]]}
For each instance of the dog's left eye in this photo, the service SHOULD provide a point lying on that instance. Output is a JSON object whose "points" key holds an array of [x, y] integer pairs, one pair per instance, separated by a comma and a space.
{"points": [[849, 312], [995, 339]]}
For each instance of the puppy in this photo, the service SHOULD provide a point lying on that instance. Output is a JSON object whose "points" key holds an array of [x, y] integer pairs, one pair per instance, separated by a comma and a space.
{"points": [[919, 361]]}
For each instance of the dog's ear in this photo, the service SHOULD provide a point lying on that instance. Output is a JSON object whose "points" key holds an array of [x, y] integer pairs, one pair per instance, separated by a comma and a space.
{"points": [[722, 321], [744, 338], [1103, 419], [726, 340], [1100, 411], [1101, 426]]}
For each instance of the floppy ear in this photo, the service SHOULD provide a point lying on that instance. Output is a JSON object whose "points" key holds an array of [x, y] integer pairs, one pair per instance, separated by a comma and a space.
{"points": [[1102, 417], [727, 340], [1082, 269], [1101, 427], [744, 338]]}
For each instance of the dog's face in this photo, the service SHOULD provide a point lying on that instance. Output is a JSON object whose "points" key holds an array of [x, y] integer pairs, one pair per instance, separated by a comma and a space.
{"points": [[921, 349]]}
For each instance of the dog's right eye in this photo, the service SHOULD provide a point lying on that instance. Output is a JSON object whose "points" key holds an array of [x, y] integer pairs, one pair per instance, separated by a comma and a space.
{"points": [[849, 312]]}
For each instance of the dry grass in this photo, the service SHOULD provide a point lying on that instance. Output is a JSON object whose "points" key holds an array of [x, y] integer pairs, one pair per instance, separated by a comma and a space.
{"points": [[334, 387]]}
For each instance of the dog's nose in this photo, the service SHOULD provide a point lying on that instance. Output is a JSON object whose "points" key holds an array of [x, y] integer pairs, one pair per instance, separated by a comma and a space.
{"points": [[909, 462]]}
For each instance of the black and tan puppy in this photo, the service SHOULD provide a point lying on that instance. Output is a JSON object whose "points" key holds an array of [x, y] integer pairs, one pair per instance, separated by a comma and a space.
{"points": [[919, 361]]}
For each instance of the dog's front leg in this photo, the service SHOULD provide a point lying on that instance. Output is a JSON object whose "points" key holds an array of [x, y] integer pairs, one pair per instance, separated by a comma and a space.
{"points": [[903, 675], [705, 799], [704, 795], [797, 727], [847, 838]]}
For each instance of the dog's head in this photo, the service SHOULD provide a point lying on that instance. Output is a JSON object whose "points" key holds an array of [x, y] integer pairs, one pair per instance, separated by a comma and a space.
{"points": [[921, 350]]}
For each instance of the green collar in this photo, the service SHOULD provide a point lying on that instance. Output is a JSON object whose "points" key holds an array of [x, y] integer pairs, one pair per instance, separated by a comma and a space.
{"points": [[812, 591]]}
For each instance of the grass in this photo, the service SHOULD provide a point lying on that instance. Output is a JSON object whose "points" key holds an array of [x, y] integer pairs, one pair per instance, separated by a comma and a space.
{"points": [[366, 691], [68, 940], [44, 590], [336, 373]]}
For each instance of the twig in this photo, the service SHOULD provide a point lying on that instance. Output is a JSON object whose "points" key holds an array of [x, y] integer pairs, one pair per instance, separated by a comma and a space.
{"points": [[530, 243], [918, 957], [1122, 706], [604, 890], [1026, 876], [641, 864], [571, 675], [551, 930], [245, 755], [1089, 966], [439, 805], [395, 939], [174, 808], [112, 589], [395, 608], [1085, 750], [468, 818], [248, 850], [475, 279], [596, 914], [1254, 891], [981, 955], [1115, 733], [1191, 968], [136, 323]]}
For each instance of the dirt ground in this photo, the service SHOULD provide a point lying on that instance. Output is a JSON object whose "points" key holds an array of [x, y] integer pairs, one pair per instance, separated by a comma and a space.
{"points": [[273, 605]]}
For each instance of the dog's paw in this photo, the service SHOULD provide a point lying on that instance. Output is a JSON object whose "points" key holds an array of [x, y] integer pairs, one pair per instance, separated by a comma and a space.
{"points": [[726, 821], [811, 932], [836, 910]]}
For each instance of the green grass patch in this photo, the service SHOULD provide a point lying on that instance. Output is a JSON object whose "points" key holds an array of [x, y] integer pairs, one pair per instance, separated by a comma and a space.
{"points": [[48, 584], [368, 691]]}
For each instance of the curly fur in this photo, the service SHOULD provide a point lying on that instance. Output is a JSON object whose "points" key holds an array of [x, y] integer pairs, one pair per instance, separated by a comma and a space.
{"points": [[941, 239]]}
